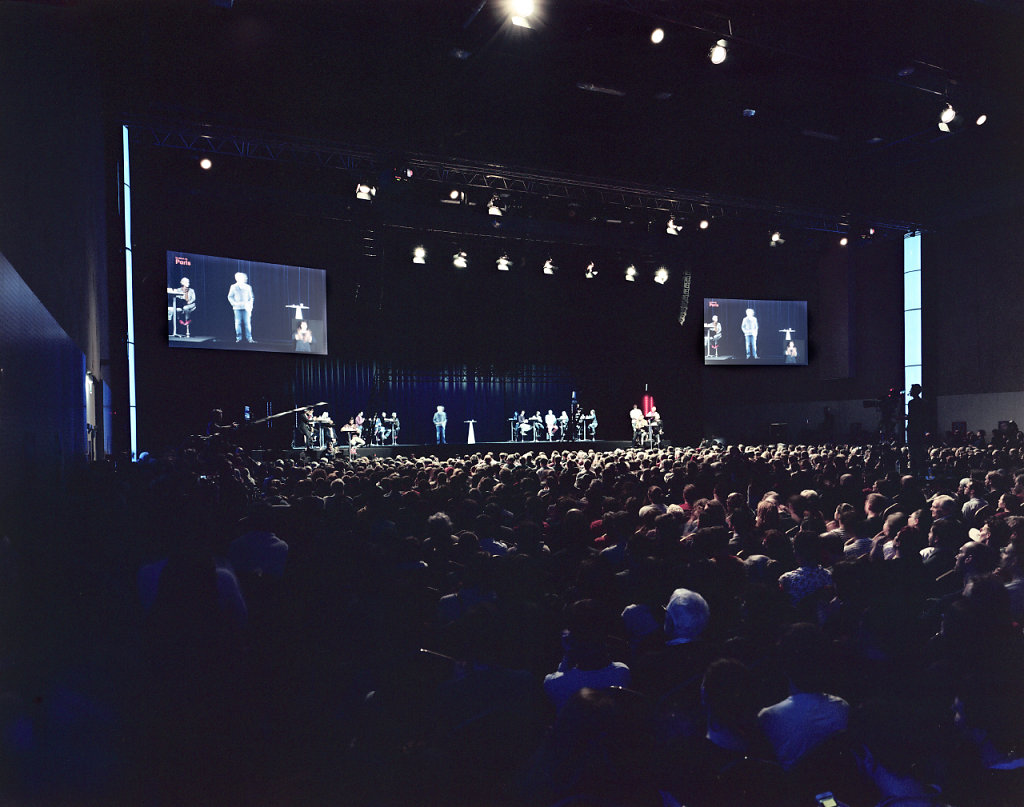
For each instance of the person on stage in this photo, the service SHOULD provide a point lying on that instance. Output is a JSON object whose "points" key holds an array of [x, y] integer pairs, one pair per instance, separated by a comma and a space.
{"points": [[654, 421], [187, 296], [303, 338], [359, 421], [522, 427], [749, 328], [306, 426], [563, 425], [395, 426], [550, 422], [241, 298], [440, 424], [592, 424]]}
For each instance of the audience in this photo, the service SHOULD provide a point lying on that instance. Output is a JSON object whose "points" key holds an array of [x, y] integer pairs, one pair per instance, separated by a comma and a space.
{"points": [[630, 627]]}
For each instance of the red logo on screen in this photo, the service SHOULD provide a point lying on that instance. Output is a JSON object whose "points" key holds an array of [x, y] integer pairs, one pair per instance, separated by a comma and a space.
{"points": [[712, 304], [179, 261]]}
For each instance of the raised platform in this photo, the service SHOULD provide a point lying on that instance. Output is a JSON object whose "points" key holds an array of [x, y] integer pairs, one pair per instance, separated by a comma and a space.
{"points": [[462, 449]]}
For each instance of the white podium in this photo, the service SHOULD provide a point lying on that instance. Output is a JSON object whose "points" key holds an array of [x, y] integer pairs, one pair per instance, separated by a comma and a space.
{"points": [[471, 439]]}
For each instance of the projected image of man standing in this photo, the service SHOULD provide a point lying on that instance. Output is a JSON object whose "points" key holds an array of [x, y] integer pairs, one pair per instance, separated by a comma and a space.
{"points": [[749, 328], [240, 296]]}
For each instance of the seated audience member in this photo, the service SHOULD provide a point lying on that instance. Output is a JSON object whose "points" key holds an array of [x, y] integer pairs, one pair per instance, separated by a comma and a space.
{"points": [[731, 763], [586, 661], [809, 577], [1012, 573], [680, 662], [895, 746], [809, 716]]}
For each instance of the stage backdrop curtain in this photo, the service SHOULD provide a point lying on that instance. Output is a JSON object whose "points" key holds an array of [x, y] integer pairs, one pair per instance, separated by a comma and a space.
{"points": [[467, 393]]}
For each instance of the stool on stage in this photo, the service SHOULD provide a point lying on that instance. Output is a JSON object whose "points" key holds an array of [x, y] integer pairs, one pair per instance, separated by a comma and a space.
{"points": [[471, 439]]}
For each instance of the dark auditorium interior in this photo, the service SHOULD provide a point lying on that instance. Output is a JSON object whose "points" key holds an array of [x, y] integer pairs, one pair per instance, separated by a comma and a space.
{"points": [[505, 206]]}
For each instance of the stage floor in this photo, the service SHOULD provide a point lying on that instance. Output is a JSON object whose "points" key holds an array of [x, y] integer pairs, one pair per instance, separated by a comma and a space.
{"points": [[462, 449]]}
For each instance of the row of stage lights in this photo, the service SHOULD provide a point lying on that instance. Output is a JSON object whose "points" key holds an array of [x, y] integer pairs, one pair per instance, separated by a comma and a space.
{"points": [[460, 260]]}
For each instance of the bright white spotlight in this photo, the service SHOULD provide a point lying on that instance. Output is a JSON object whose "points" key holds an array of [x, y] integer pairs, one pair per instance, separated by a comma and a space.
{"points": [[591, 272], [777, 239], [492, 207], [520, 12], [981, 120], [365, 192], [718, 52], [419, 255], [704, 224], [206, 163], [504, 264], [947, 114], [661, 276], [549, 267], [454, 196], [671, 227], [657, 36], [459, 260], [631, 273], [844, 241]]}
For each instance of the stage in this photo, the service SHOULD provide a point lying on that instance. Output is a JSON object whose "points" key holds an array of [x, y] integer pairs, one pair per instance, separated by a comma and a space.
{"points": [[413, 451]]}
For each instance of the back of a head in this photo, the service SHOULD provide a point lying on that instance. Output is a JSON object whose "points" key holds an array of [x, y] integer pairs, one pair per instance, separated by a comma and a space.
{"points": [[804, 656], [686, 615], [730, 693]]}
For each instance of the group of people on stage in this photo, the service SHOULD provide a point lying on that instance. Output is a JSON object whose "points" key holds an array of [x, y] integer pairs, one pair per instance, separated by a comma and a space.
{"points": [[319, 431], [647, 429], [578, 426]]}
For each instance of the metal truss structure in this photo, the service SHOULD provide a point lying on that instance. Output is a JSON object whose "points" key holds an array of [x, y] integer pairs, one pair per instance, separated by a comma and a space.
{"points": [[505, 181]]}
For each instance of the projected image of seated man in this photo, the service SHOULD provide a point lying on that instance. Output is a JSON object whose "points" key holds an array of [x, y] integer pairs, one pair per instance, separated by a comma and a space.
{"points": [[303, 338], [181, 311]]}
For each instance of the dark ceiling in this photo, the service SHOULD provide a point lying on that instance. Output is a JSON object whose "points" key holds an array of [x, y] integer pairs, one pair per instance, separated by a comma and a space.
{"points": [[846, 93]]}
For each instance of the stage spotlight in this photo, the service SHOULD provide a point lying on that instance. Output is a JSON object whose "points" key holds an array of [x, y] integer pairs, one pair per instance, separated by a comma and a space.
{"points": [[206, 163], [661, 276], [504, 264], [549, 267], [981, 120], [844, 241], [454, 197], [704, 223], [947, 114], [492, 207], [658, 36], [459, 260], [777, 239], [671, 227], [631, 273], [419, 255], [718, 52], [591, 272], [520, 12], [365, 192]]}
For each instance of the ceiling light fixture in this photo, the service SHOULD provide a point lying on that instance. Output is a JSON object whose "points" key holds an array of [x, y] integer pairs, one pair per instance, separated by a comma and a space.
{"points": [[661, 276], [591, 272], [631, 273], [419, 255], [504, 264], [777, 239], [671, 227], [460, 260], [981, 120], [658, 36], [549, 267], [206, 163], [844, 241], [947, 114], [704, 224], [521, 11], [718, 52], [492, 207], [365, 192]]}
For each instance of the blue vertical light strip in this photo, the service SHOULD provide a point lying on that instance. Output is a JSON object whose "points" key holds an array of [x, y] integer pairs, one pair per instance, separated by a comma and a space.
{"points": [[126, 168], [911, 310]]}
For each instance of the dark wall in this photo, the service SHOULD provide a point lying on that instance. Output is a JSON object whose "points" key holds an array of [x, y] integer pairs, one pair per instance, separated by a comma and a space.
{"points": [[53, 185], [972, 280]]}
